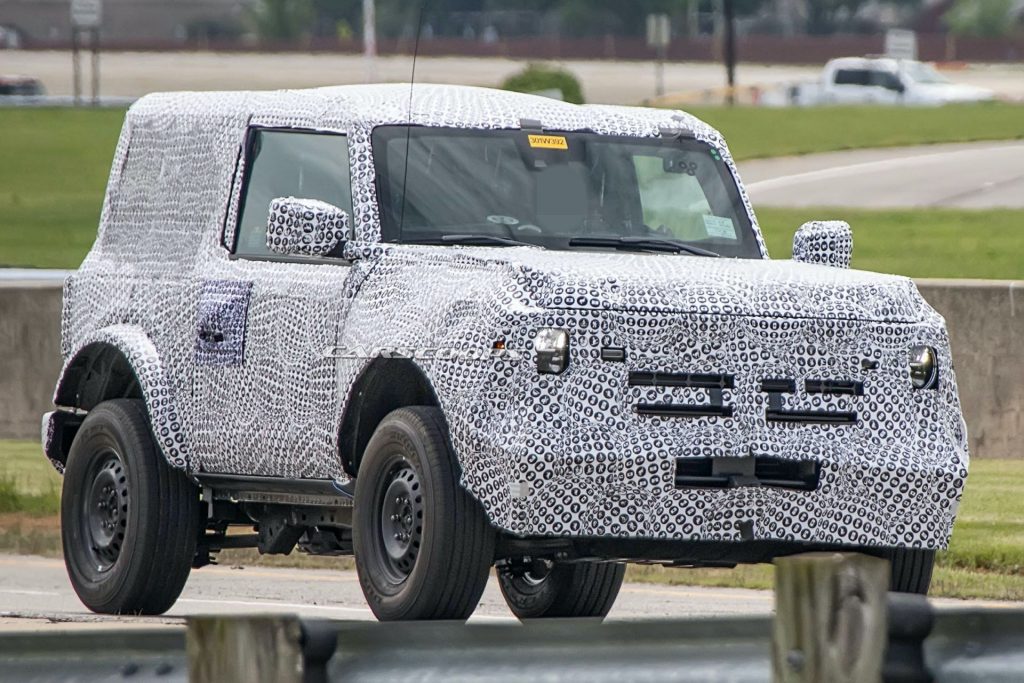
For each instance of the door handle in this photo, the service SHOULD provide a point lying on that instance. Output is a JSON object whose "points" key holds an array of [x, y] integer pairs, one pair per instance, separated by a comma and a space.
{"points": [[211, 336]]}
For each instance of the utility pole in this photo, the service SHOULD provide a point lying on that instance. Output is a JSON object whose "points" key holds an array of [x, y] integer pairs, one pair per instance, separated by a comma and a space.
{"points": [[730, 51], [659, 35], [86, 19], [370, 39]]}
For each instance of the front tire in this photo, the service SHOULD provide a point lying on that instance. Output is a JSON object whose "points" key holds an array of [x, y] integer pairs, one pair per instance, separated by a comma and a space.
{"points": [[423, 546], [910, 570], [129, 521], [544, 590]]}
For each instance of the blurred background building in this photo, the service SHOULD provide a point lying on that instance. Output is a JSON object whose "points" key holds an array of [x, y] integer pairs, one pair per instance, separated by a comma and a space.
{"points": [[769, 30]]}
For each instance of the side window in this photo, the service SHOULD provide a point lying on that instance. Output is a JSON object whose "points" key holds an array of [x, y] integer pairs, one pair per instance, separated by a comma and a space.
{"points": [[851, 77], [283, 163]]}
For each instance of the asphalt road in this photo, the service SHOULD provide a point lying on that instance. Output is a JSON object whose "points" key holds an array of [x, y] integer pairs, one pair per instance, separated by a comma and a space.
{"points": [[35, 595], [627, 82], [964, 176]]}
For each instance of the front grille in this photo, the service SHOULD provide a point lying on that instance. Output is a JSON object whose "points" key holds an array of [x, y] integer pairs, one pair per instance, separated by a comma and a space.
{"points": [[714, 383], [776, 387], [724, 473], [717, 383]]}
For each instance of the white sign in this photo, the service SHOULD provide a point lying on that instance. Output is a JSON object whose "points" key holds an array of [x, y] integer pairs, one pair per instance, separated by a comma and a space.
{"points": [[659, 30], [900, 44], [86, 13]]}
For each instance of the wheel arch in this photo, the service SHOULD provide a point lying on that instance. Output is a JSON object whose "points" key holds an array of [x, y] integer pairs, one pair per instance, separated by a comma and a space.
{"points": [[119, 361], [384, 385]]}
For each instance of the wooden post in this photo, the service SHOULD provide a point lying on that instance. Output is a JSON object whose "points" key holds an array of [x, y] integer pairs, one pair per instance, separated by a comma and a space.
{"points": [[253, 649], [830, 618]]}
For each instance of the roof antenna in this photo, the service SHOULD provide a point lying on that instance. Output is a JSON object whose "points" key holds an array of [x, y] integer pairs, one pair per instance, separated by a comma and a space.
{"points": [[408, 124]]}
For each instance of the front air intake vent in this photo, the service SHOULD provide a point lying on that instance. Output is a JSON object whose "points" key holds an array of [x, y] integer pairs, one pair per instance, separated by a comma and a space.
{"points": [[724, 473]]}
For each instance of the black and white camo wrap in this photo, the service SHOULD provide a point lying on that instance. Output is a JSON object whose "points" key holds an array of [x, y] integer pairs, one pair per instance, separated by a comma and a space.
{"points": [[545, 454], [828, 243], [305, 227]]}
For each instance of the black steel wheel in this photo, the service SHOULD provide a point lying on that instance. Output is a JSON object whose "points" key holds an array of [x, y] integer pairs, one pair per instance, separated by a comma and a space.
{"points": [[104, 514], [129, 521], [541, 588], [401, 521], [423, 545]]}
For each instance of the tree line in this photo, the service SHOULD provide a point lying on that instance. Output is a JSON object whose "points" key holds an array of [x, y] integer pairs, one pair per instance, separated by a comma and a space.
{"points": [[288, 20]]}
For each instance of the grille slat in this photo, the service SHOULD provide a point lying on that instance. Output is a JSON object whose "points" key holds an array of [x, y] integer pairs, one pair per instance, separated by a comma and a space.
{"points": [[834, 386], [692, 380], [683, 410], [811, 416]]}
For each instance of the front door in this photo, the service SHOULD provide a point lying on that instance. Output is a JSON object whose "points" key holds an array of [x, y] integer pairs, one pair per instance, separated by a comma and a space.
{"points": [[266, 393]]}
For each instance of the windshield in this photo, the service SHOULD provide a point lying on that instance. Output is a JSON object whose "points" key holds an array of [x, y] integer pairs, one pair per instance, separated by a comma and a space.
{"points": [[551, 189], [922, 73]]}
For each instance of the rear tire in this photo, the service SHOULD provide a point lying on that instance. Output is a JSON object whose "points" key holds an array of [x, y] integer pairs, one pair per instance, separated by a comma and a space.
{"points": [[910, 570], [423, 546], [129, 521], [564, 590]]}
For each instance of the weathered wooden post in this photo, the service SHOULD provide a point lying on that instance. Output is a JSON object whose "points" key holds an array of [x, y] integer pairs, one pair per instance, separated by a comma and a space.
{"points": [[830, 618], [249, 649]]}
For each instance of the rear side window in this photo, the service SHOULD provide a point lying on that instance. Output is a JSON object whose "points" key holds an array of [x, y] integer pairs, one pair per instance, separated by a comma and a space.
{"points": [[283, 163], [852, 77]]}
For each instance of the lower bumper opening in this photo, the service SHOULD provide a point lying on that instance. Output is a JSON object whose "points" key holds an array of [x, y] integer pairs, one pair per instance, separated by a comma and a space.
{"points": [[724, 473]]}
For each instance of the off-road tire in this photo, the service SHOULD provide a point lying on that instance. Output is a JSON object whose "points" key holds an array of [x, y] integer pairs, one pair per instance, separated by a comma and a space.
{"points": [[435, 566], [129, 521], [910, 570], [567, 590]]}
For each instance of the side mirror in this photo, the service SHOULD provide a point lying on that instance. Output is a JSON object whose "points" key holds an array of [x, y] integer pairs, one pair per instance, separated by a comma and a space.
{"points": [[305, 227], [826, 243]]}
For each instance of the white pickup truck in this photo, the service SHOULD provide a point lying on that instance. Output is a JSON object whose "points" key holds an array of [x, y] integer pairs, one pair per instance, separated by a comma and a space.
{"points": [[883, 80]]}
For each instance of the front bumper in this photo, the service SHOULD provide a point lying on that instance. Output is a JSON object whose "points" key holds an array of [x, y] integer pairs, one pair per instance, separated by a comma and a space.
{"points": [[571, 456]]}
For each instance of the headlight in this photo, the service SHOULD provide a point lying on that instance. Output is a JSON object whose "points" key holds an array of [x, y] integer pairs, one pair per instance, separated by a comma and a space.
{"points": [[924, 367], [552, 347]]}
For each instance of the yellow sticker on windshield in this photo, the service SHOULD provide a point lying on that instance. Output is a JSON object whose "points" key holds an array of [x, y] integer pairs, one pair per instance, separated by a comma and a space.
{"points": [[548, 141]]}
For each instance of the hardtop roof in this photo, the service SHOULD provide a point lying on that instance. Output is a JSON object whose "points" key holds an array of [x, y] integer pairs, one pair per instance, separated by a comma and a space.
{"points": [[430, 104]]}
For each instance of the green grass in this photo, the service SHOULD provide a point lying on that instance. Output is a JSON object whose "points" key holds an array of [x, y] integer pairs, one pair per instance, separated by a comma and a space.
{"points": [[984, 560], [51, 195], [754, 133], [56, 163], [934, 243], [28, 483]]}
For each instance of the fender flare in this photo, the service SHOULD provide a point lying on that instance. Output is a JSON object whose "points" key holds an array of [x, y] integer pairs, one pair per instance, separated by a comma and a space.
{"points": [[138, 349]]}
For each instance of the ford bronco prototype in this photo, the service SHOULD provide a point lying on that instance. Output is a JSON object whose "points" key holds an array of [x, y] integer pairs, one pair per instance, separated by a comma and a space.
{"points": [[463, 329]]}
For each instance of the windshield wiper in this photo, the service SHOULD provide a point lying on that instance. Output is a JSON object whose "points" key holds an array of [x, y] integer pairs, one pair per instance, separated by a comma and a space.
{"points": [[481, 240], [641, 244]]}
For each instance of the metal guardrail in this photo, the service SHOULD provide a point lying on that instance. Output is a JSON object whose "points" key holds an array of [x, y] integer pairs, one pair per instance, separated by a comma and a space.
{"points": [[964, 646], [137, 655]]}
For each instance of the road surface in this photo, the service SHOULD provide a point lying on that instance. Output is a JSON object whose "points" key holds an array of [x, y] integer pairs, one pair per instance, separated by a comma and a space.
{"points": [[35, 594], [628, 82], [962, 176]]}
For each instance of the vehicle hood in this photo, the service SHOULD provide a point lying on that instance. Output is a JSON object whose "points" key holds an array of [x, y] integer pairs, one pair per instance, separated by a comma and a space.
{"points": [[725, 286]]}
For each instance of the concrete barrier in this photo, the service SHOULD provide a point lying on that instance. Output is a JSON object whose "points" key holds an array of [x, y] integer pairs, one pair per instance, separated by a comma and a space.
{"points": [[29, 354], [985, 317], [986, 328]]}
